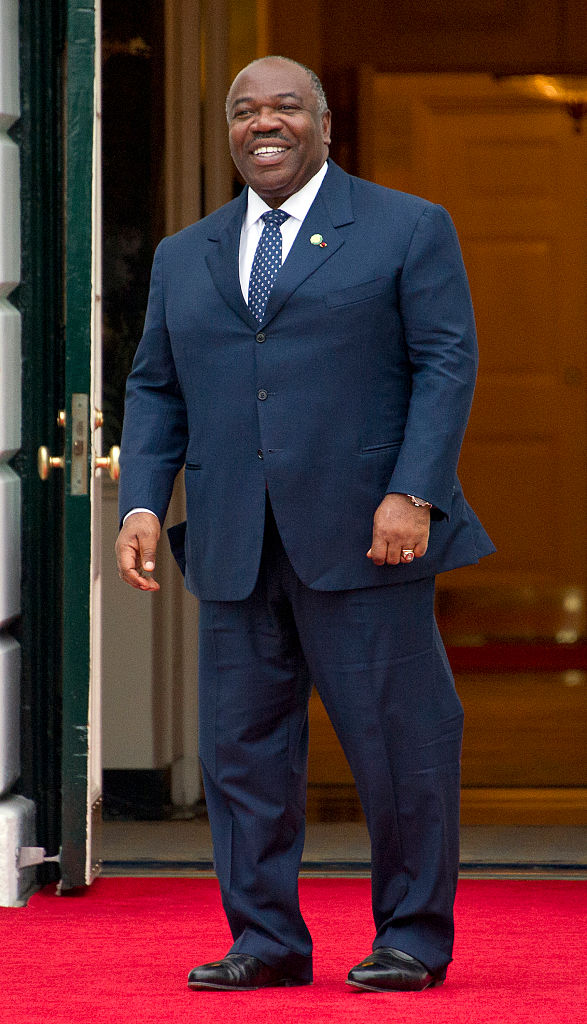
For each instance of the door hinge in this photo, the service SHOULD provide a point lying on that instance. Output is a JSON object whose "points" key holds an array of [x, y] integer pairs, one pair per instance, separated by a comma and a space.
{"points": [[28, 856]]}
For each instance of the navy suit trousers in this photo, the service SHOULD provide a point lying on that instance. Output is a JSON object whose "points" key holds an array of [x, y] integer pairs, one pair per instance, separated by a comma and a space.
{"points": [[378, 663]]}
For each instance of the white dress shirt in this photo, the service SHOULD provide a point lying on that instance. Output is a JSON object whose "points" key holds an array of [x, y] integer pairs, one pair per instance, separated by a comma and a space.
{"points": [[297, 207]]}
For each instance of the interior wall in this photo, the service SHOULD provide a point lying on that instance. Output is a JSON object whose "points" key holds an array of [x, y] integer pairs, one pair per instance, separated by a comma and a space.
{"points": [[433, 35], [512, 172], [150, 699], [151, 108], [488, 35]]}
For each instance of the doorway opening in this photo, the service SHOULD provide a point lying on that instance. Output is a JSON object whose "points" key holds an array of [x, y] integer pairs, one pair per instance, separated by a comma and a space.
{"points": [[511, 173]]}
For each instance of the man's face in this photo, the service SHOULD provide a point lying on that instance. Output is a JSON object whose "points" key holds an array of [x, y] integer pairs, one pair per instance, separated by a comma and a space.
{"points": [[277, 139]]}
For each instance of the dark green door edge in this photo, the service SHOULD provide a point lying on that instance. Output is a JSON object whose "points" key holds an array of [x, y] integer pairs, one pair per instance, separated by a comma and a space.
{"points": [[76, 866], [39, 298]]}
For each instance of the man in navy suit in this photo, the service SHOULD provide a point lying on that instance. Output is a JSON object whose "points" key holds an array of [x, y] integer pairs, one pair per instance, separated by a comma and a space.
{"points": [[313, 370]]}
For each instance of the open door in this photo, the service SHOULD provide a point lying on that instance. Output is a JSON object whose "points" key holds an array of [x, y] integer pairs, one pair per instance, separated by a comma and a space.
{"points": [[512, 173], [81, 420]]}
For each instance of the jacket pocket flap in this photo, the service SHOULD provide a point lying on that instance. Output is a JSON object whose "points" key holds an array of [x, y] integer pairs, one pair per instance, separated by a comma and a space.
{"points": [[357, 292]]}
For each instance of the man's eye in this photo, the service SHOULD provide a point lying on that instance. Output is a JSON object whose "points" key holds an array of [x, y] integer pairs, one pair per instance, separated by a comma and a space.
{"points": [[242, 113], [287, 106]]}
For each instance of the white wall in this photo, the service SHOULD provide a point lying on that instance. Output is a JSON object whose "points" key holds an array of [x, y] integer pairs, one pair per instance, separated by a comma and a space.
{"points": [[149, 642], [16, 813], [149, 653], [129, 723]]}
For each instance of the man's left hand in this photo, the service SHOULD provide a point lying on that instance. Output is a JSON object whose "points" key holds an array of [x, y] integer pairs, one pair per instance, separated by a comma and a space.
{"points": [[398, 526]]}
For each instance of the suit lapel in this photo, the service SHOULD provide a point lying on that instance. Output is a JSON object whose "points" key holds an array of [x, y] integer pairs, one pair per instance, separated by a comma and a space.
{"points": [[223, 261], [330, 210]]}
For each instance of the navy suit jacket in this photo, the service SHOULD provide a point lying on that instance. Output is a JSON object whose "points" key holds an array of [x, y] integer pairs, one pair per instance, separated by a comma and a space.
{"points": [[358, 382]]}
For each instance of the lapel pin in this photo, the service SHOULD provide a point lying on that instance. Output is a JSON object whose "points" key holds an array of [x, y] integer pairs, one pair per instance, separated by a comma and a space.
{"points": [[318, 240]]}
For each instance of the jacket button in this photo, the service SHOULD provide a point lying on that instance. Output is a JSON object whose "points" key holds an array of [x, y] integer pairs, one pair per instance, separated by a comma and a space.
{"points": [[261, 394], [260, 337], [260, 452]]}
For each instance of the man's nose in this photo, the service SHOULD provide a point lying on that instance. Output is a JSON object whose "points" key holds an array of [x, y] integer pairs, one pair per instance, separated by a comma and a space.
{"points": [[266, 121]]}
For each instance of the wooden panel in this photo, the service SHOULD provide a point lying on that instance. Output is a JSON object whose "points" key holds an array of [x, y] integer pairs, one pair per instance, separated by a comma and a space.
{"points": [[433, 35], [479, 806], [470, 614], [510, 167], [574, 30], [499, 476], [520, 765], [521, 409], [513, 176], [327, 764], [512, 282], [524, 729], [514, 180], [460, 15], [524, 806], [295, 32], [508, 740]]}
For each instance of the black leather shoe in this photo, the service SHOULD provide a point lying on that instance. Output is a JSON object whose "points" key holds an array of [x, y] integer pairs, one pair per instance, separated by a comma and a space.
{"points": [[390, 970], [239, 972]]}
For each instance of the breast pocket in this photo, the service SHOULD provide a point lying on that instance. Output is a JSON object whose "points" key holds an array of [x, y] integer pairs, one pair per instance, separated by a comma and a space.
{"points": [[357, 292], [382, 446]]}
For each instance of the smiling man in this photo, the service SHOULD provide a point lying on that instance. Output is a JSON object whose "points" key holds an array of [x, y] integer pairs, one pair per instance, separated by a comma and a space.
{"points": [[278, 141], [309, 356]]}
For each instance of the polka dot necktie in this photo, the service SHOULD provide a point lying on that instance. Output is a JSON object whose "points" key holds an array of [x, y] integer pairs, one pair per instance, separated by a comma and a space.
{"points": [[266, 263]]}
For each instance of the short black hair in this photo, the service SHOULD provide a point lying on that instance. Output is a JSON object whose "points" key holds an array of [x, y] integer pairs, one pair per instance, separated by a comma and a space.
{"points": [[317, 87]]}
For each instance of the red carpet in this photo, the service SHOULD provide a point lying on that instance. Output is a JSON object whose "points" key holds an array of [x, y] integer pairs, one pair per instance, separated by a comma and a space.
{"points": [[120, 953]]}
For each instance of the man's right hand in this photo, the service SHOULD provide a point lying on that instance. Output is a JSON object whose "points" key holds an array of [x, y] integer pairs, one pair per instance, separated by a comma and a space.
{"points": [[136, 548]]}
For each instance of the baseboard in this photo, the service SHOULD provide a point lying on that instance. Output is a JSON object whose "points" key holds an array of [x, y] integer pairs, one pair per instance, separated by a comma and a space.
{"points": [[558, 805], [137, 794]]}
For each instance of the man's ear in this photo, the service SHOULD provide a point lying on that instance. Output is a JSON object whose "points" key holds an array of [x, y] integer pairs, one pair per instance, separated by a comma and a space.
{"points": [[326, 125]]}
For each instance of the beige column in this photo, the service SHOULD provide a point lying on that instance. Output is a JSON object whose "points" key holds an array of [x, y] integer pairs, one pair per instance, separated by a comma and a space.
{"points": [[182, 113], [217, 162], [175, 614], [196, 82]]}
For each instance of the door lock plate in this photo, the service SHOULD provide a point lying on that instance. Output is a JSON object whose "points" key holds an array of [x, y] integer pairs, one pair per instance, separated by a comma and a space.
{"points": [[79, 443]]}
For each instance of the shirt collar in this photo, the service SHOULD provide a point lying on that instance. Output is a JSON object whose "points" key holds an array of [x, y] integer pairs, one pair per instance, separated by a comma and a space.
{"points": [[296, 206]]}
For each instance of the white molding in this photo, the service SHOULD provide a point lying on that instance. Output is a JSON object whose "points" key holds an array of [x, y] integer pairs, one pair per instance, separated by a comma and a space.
{"points": [[130, 705], [17, 828], [9, 712], [17, 815], [9, 215], [9, 544], [10, 381], [9, 91]]}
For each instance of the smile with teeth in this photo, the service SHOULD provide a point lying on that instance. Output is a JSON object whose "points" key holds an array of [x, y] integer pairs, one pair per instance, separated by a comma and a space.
{"points": [[269, 150]]}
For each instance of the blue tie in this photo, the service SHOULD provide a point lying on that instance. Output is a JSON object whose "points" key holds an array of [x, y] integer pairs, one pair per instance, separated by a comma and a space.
{"points": [[266, 263]]}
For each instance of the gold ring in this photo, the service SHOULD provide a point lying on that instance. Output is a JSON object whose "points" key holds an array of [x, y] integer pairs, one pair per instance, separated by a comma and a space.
{"points": [[408, 554]]}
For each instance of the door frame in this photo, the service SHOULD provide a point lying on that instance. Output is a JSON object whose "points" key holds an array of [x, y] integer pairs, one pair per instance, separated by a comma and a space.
{"points": [[39, 299], [81, 727]]}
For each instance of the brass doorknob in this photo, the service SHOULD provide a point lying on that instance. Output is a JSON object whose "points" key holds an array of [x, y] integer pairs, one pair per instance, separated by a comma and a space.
{"points": [[110, 462], [46, 462]]}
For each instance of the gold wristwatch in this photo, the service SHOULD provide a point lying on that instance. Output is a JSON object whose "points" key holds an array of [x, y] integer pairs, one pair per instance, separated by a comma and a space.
{"points": [[419, 502]]}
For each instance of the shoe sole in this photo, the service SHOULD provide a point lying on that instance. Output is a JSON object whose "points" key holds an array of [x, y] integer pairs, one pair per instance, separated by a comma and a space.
{"points": [[435, 983], [280, 983]]}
